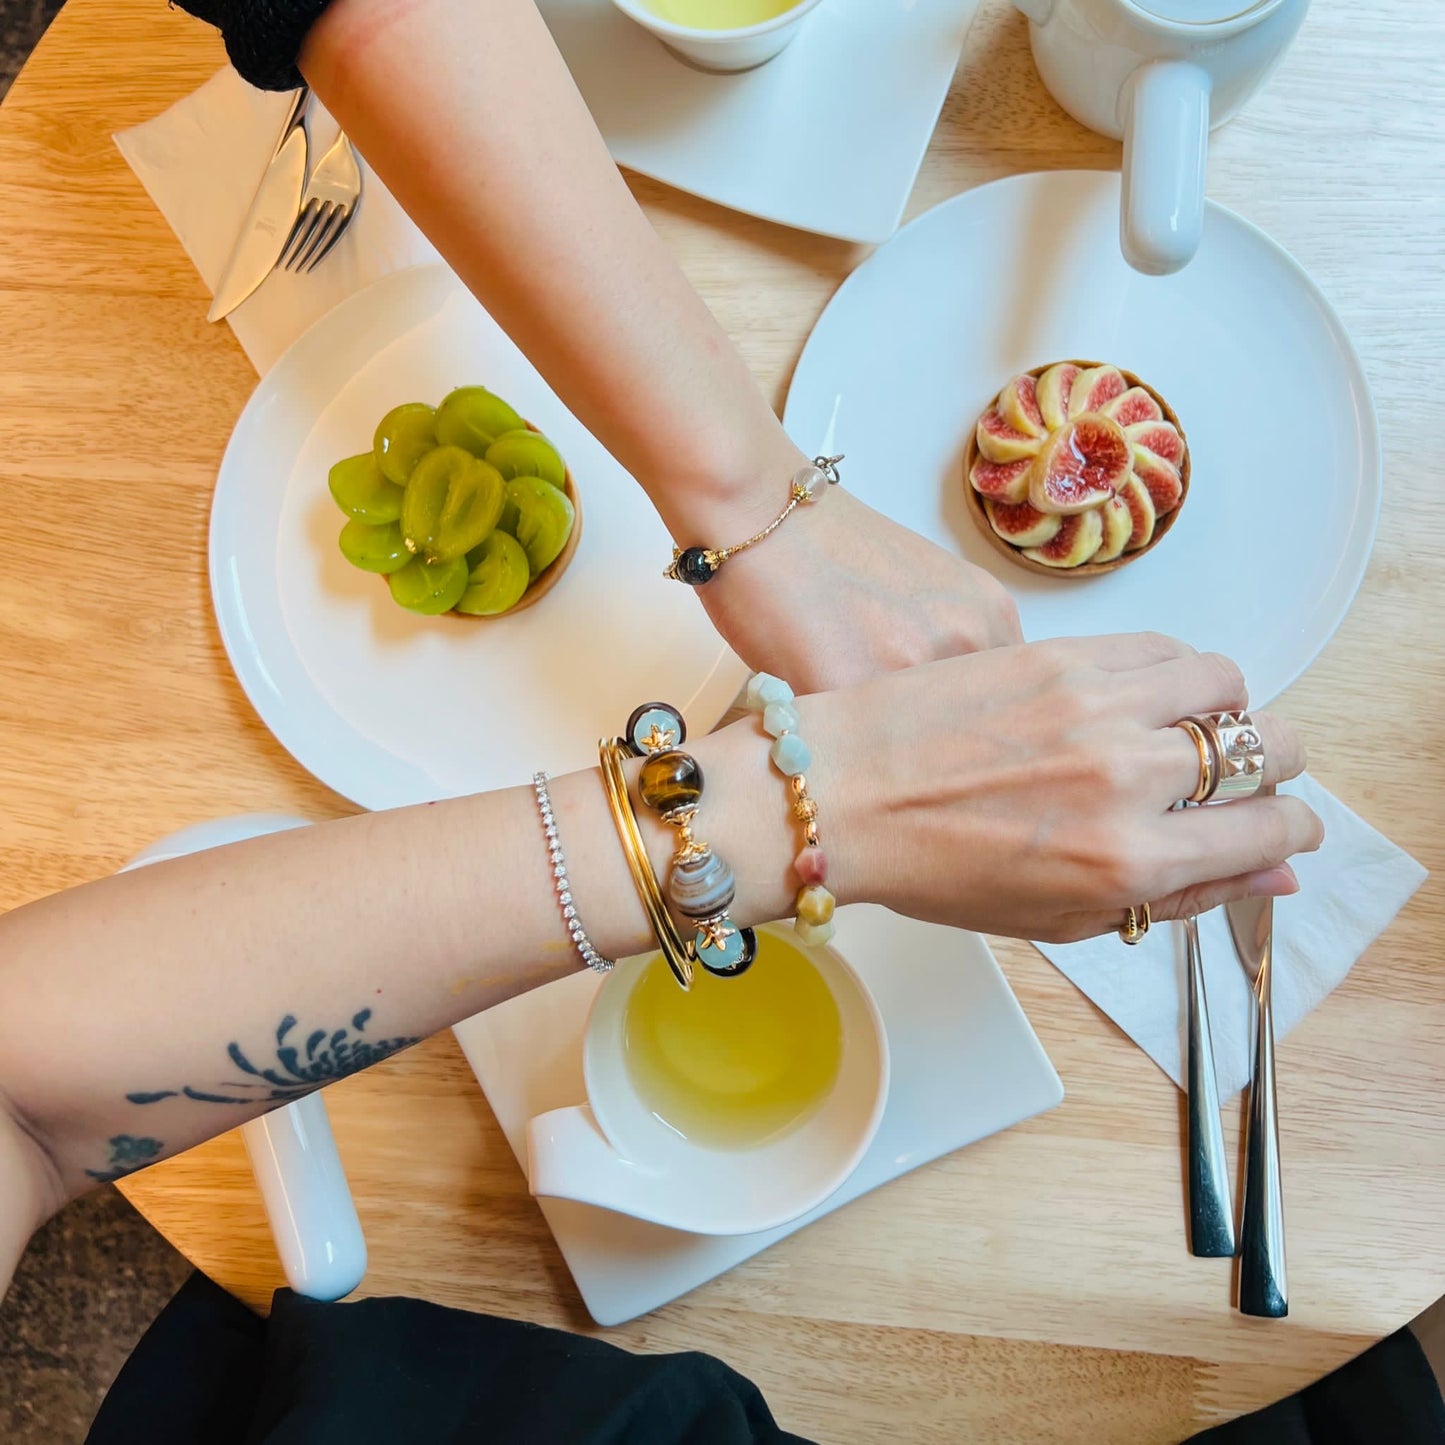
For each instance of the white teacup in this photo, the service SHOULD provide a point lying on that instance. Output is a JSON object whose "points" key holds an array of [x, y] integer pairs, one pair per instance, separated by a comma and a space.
{"points": [[616, 1152], [742, 48], [1159, 73]]}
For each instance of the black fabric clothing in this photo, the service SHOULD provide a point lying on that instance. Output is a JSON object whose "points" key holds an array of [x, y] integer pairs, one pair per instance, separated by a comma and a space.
{"points": [[384, 1371], [396, 1371], [1387, 1396], [263, 37]]}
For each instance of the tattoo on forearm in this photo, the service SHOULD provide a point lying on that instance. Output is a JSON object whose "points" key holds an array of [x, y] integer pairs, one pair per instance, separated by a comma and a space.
{"points": [[127, 1154], [327, 1054]]}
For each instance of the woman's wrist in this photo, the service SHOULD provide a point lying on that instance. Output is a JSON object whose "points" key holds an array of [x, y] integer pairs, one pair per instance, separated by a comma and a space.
{"points": [[713, 491], [745, 814]]}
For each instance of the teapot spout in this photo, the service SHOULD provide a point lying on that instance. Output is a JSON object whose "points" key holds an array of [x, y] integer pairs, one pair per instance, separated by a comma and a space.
{"points": [[569, 1157]]}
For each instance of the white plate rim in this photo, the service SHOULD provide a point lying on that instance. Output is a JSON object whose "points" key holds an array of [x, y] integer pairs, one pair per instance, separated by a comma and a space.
{"points": [[718, 683]]}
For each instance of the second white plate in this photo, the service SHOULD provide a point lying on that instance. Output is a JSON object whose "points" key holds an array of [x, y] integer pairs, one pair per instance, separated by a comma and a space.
{"points": [[1277, 530], [389, 708]]}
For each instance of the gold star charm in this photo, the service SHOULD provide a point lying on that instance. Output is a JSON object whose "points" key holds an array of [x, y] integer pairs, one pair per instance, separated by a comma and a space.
{"points": [[658, 739], [716, 932]]}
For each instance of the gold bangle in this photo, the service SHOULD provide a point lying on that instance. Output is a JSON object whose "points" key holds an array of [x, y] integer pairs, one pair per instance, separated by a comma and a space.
{"points": [[644, 879]]}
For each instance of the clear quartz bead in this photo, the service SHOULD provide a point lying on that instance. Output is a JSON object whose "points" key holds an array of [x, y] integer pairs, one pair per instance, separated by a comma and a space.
{"points": [[811, 481]]}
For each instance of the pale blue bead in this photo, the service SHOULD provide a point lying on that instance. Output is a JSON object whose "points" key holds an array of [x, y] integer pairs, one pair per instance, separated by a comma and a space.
{"points": [[790, 755], [780, 718], [763, 688]]}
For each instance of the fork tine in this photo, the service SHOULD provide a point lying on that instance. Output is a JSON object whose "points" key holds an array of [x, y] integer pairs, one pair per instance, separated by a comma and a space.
{"points": [[338, 231], [300, 233], [329, 214]]}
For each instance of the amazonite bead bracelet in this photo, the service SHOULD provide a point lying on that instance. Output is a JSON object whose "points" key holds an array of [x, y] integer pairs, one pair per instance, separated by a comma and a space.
{"points": [[790, 755]]}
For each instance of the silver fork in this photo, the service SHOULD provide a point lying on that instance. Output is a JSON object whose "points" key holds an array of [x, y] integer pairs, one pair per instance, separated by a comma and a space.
{"points": [[329, 203]]}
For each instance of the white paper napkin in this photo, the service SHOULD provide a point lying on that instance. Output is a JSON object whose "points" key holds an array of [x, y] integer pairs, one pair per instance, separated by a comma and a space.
{"points": [[201, 162], [1349, 892]]}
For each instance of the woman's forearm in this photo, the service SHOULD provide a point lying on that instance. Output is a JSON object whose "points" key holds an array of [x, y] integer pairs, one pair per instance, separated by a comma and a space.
{"points": [[468, 113], [143, 1013]]}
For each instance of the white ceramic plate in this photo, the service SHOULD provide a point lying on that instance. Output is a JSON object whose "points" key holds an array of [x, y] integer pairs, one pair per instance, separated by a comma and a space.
{"points": [[390, 708], [826, 137], [964, 1064], [1274, 537]]}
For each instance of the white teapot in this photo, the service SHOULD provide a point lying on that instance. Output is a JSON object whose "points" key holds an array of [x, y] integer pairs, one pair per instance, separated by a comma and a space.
{"points": [[1159, 73]]}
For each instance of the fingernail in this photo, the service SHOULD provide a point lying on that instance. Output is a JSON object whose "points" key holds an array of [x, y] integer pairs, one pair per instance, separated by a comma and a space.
{"points": [[1273, 883]]}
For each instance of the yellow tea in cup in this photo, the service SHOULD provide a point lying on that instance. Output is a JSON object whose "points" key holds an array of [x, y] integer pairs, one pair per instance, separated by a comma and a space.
{"points": [[735, 1062], [719, 14]]}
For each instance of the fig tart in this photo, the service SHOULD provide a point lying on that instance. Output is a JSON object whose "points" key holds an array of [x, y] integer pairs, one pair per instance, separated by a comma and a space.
{"points": [[1077, 468]]}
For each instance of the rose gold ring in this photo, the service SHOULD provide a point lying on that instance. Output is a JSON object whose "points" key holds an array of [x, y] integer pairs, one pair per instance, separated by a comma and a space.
{"points": [[1208, 759]]}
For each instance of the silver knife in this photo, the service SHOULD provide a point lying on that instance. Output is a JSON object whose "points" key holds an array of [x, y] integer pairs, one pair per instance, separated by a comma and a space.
{"points": [[268, 222], [1211, 1212], [1262, 1286]]}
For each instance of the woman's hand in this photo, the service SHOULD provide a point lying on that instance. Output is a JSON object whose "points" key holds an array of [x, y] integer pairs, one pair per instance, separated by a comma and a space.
{"points": [[840, 593], [1027, 790]]}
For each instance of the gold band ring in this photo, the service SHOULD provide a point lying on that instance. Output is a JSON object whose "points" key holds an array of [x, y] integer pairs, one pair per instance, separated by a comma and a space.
{"points": [[1208, 760], [1136, 923]]}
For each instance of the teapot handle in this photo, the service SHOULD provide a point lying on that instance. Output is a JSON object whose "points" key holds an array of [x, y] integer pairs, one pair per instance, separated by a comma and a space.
{"points": [[1166, 141]]}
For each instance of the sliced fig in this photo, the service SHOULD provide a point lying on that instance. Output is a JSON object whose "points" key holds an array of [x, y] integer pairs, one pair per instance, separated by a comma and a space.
{"points": [[1053, 391], [1158, 437], [1080, 466], [1118, 523], [1020, 524], [1161, 480], [1004, 481], [999, 442], [1133, 406], [1019, 403], [1094, 388], [1135, 495], [1075, 543]]}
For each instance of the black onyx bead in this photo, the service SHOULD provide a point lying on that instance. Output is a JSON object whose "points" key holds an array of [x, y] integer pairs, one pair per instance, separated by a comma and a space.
{"points": [[654, 720], [693, 567], [669, 781]]}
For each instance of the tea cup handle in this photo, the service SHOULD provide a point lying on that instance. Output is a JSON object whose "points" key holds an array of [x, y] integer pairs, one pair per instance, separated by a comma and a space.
{"points": [[307, 1199], [1166, 142]]}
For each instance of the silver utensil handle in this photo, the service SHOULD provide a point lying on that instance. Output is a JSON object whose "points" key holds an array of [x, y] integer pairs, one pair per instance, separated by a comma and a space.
{"points": [[1263, 1289], [1211, 1212]]}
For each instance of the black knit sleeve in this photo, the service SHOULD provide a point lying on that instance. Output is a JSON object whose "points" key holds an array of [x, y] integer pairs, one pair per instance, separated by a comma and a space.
{"points": [[263, 37]]}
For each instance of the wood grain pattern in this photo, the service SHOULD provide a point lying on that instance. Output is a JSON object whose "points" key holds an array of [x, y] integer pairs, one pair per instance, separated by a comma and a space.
{"points": [[1013, 1291]]}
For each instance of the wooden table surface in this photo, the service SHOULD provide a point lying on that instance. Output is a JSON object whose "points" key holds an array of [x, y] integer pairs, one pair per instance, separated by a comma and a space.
{"points": [[1033, 1288]]}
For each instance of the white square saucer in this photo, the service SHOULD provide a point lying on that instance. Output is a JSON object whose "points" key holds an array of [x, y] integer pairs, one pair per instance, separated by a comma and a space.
{"points": [[965, 1064], [827, 137]]}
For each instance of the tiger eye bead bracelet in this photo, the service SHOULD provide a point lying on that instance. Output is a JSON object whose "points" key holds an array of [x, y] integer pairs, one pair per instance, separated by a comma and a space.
{"points": [[700, 883]]}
